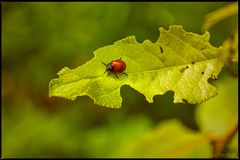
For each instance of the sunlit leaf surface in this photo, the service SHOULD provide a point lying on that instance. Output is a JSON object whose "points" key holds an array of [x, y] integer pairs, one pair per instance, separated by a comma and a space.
{"points": [[179, 61]]}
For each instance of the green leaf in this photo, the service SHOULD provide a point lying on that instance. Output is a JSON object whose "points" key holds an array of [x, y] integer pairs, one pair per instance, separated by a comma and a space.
{"points": [[179, 61], [170, 139], [114, 136], [219, 114], [220, 14]]}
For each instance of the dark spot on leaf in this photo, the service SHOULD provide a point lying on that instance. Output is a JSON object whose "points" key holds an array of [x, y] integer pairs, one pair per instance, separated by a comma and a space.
{"points": [[184, 100], [182, 70], [202, 72], [161, 49], [193, 62], [187, 67]]}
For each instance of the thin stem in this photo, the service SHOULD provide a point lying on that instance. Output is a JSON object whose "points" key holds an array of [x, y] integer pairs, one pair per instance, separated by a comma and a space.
{"points": [[221, 143]]}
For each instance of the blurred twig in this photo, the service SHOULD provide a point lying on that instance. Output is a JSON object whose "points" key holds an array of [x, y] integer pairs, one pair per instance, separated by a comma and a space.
{"points": [[219, 15], [221, 143], [229, 54]]}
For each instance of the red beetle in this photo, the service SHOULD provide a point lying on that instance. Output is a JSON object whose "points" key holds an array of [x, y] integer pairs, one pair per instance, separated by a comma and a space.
{"points": [[116, 66]]}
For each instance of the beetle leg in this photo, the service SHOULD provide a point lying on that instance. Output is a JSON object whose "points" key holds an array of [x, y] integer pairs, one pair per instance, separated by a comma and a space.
{"points": [[116, 75], [104, 64], [125, 73], [108, 73]]}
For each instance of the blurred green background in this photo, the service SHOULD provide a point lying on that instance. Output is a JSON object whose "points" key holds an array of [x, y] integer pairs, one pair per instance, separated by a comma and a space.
{"points": [[39, 39]]}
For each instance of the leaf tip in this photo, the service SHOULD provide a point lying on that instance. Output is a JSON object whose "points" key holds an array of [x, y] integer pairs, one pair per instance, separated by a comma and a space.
{"points": [[206, 36], [149, 99], [63, 71], [50, 88], [161, 29]]}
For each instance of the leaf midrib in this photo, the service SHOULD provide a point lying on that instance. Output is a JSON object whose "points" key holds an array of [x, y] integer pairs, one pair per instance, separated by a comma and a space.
{"points": [[154, 70]]}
